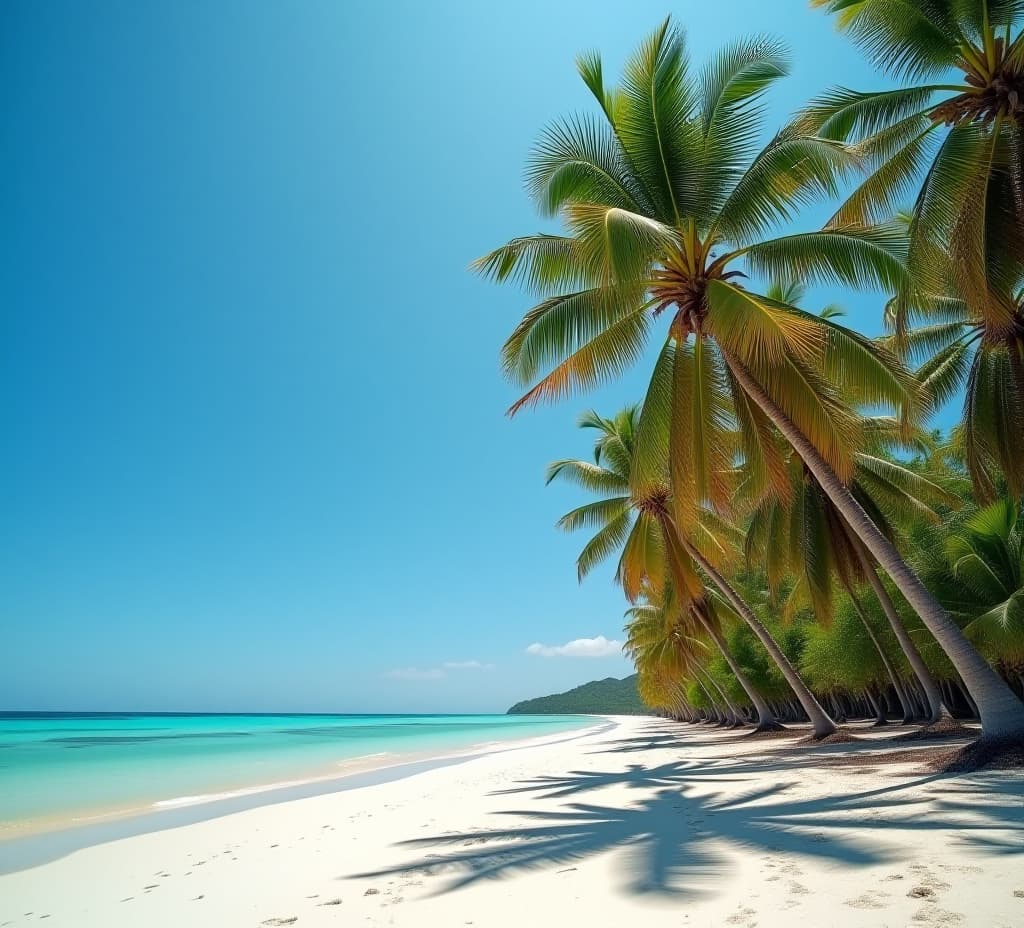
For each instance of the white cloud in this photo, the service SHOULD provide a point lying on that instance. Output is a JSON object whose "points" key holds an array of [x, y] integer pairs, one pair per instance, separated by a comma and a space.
{"points": [[578, 647], [416, 673], [435, 673]]}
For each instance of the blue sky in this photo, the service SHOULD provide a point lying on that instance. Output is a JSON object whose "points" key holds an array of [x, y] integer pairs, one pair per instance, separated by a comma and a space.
{"points": [[255, 456]]}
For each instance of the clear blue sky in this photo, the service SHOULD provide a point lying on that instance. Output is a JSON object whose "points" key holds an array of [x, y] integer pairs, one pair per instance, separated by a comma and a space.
{"points": [[255, 456]]}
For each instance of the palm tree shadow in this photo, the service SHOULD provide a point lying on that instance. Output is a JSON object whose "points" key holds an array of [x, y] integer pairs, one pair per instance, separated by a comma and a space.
{"points": [[635, 776], [642, 742], [683, 741], [677, 839]]}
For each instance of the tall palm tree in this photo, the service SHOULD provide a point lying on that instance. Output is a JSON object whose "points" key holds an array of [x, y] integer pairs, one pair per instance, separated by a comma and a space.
{"points": [[806, 537], [667, 202], [654, 558], [956, 128], [964, 353], [658, 642], [806, 534], [956, 143]]}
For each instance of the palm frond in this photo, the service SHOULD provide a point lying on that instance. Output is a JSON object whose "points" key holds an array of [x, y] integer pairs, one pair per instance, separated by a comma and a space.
{"points": [[579, 160], [608, 540], [654, 120], [906, 38], [589, 476], [871, 257], [791, 171], [597, 514]]}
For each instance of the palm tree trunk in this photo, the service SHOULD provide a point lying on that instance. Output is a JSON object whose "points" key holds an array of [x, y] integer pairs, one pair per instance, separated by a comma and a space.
{"points": [[1001, 712], [880, 718], [766, 720], [713, 705], [931, 689], [886, 663], [731, 709], [821, 724]]}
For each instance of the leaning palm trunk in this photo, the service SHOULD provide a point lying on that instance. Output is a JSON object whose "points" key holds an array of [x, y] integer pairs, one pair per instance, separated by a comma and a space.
{"points": [[821, 724], [733, 716], [932, 693], [897, 685], [879, 709], [1001, 712], [713, 710], [766, 720]]}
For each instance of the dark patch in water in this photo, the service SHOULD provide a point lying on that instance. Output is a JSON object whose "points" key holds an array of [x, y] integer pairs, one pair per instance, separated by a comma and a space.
{"points": [[337, 731], [89, 742]]}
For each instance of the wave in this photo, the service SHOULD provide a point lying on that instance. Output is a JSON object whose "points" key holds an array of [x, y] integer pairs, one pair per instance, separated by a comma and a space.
{"points": [[199, 798]]}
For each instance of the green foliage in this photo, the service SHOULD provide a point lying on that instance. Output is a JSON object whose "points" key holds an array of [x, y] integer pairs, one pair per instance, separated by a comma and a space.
{"points": [[977, 569], [954, 148], [599, 697], [669, 196], [842, 658]]}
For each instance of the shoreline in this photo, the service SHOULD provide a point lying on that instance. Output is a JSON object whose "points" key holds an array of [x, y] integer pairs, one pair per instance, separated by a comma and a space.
{"points": [[41, 842], [635, 819]]}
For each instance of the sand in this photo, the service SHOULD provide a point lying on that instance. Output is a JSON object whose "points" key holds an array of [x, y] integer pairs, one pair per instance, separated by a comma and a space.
{"points": [[644, 822]]}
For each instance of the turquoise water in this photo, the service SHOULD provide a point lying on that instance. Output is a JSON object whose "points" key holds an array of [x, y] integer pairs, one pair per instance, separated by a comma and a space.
{"points": [[68, 767]]}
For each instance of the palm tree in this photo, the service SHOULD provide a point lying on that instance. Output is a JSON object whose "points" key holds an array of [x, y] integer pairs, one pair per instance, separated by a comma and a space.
{"points": [[666, 198], [957, 141], [963, 353], [845, 664], [977, 569], [806, 537], [958, 132], [661, 648], [655, 558]]}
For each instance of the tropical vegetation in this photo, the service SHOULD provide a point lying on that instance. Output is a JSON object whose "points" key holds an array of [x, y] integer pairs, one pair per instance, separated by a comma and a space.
{"points": [[599, 697], [791, 541]]}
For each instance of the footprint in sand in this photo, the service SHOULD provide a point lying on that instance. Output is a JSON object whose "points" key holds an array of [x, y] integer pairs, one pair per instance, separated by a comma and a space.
{"points": [[869, 900], [962, 868], [275, 922], [745, 917], [927, 889], [330, 902], [928, 886], [933, 915]]}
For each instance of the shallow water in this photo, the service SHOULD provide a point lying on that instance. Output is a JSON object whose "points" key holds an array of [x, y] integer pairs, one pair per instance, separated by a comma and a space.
{"points": [[63, 768]]}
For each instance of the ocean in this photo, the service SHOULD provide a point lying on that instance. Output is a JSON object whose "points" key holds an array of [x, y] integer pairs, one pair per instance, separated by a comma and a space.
{"points": [[70, 768]]}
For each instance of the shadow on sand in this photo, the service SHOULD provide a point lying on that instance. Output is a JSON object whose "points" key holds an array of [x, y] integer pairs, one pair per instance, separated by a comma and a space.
{"points": [[678, 836]]}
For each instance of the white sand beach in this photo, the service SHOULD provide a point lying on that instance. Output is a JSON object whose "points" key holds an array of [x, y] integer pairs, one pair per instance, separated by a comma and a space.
{"points": [[644, 822]]}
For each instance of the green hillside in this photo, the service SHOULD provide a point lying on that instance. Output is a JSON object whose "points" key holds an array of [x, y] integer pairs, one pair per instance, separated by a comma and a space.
{"points": [[609, 696]]}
